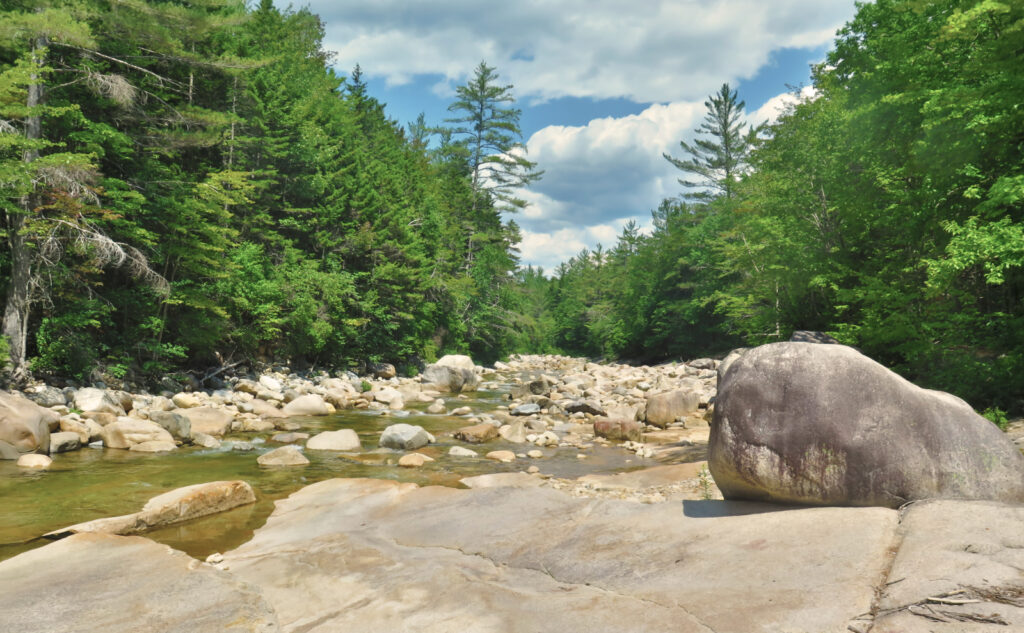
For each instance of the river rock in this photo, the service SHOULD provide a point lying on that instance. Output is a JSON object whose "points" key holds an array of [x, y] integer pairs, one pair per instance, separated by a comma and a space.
{"points": [[477, 434], [665, 408], [405, 437], [619, 430], [529, 408], [506, 457], [64, 442], [8, 452], [186, 400], [502, 559], [34, 461], [514, 432], [824, 424], [458, 361], [461, 411], [450, 379], [385, 371], [47, 396], [437, 407], [92, 399], [101, 418], [210, 420], [169, 508], [340, 440], [205, 440], [288, 438], [153, 446], [264, 409], [127, 432], [283, 456], [414, 460], [87, 430], [585, 406], [257, 425], [115, 584], [271, 383], [24, 424], [309, 404], [250, 387], [460, 451], [178, 425]]}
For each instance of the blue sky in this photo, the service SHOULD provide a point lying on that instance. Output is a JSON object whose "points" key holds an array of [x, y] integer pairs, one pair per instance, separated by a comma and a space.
{"points": [[605, 86]]}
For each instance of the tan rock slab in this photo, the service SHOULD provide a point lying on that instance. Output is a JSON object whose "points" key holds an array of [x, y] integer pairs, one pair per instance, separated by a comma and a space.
{"points": [[504, 559], [645, 478], [284, 456], [116, 584], [414, 460], [501, 456], [210, 420], [128, 432], [34, 461]]}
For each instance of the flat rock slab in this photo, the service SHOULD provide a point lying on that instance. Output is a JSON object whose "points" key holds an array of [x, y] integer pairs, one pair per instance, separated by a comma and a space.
{"points": [[954, 552], [645, 478], [370, 555], [119, 584]]}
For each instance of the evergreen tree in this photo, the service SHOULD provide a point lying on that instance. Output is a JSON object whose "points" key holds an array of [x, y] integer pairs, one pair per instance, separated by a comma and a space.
{"points": [[718, 161]]}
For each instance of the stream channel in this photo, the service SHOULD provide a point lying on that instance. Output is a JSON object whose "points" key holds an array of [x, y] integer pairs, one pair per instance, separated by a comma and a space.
{"points": [[93, 483]]}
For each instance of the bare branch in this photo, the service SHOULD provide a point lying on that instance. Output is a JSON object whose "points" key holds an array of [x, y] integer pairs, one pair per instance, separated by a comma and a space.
{"points": [[114, 87], [75, 180]]}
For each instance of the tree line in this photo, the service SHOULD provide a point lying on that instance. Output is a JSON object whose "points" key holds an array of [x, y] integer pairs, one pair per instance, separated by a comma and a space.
{"points": [[885, 209], [188, 185]]}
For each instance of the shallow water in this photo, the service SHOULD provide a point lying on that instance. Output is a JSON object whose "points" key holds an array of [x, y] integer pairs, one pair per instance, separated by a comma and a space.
{"points": [[93, 483]]}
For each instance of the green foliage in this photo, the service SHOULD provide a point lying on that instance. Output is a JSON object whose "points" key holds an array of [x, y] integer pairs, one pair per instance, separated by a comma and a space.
{"points": [[365, 386], [996, 416]]}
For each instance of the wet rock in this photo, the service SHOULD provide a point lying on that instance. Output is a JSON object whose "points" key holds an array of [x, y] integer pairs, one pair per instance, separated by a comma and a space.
{"points": [[437, 407], [309, 404], [178, 425], [242, 447], [619, 430], [204, 440], [258, 425], [477, 434], [459, 451], [64, 442], [91, 399], [34, 461], [340, 440], [514, 432], [283, 456], [24, 424], [289, 438], [154, 446], [100, 582], [87, 430], [461, 411], [823, 424], [505, 457], [8, 452], [414, 460], [127, 432], [405, 437]]}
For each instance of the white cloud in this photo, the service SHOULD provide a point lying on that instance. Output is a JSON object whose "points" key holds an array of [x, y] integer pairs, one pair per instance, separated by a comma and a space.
{"points": [[774, 107], [549, 249], [657, 51]]}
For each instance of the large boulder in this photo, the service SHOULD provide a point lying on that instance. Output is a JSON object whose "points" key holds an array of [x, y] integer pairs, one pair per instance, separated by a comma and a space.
{"points": [[92, 399], [309, 404], [128, 432], [24, 425], [405, 437], [46, 396], [824, 424], [116, 584], [619, 429], [453, 373], [64, 442], [178, 425], [665, 408], [209, 420], [477, 434]]}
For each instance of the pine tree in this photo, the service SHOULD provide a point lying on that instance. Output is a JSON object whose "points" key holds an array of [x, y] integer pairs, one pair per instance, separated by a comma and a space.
{"points": [[719, 160]]}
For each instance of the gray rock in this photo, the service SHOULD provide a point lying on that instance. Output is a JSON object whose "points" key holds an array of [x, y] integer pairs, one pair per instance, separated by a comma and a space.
{"points": [[585, 406], [823, 424], [514, 432], [405, 437], [47, 396], [64, 442], [529, 408], [115, 584], [309, 404], [205, 440], [809, 336], [450, 379], [178, 425]]}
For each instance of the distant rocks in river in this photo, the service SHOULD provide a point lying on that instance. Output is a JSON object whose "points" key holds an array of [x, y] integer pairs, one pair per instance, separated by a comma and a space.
{"points": [[825, 425]]}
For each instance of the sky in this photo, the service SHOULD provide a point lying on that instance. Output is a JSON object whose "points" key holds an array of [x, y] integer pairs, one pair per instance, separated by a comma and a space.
{"points": [[605, 86]]}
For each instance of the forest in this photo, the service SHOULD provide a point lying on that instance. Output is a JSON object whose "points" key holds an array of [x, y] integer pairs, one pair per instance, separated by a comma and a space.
{"points": [[191, 185]]}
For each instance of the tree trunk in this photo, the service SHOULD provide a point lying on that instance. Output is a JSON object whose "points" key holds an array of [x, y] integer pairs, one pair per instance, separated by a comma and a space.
{"points": [[19, 294]]}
